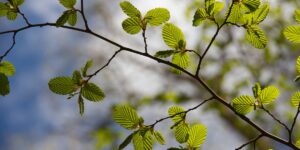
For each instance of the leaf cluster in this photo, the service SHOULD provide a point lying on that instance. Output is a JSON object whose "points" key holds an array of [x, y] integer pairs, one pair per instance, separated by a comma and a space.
{"points": [[6, 69], [10, 9], [70, 15]]}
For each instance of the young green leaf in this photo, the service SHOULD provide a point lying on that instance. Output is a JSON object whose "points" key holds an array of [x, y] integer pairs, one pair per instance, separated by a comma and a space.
{"points": [[256, 89], [62, 85], [218, 7], [3, 9], [172, 35], [298, 143], [243, 104], [250, 5], [11, 15], [181, 59], [210, 7], [165, 54], [261, 13], [68, 3], [92, 92], [235, 13], [295, 99], [298, 65], [142, 142], [159, 137], [268, 94], [199, 16], [175, 110], [292, 33], [4, 85], [126, 141], [130, 10], [16, 2], [63, 19], [181, 132], [76, 77], [197, 135], [157, 16], [126, 117], [7, 68], [297, 16], [88, 65], [81, 105], [72, 19], [132, 25], [256, 37]]}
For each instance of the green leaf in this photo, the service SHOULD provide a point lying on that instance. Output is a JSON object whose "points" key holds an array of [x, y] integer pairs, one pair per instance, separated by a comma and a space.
{"points": [[210, 6], [199, 17], [159, 137], [295, 99], [261, 13], [157, 16], [132, 25], [4, 85], [256, 89], [62, 85], [197, 135], [256, 37], [76, 77], [81, 105], [7, 68], [298, 143], [218, 7], [92, 92], [172, 35], [126, 117], [63, 19], [72, 19], [292, 33], [181, 59], [130, 10], [126, 141], [88, 65], [298, 65], [251, 5], [17, 2], [235, 14], [175, 110], [181, 132], [142, 142], [243, 104], [165, 54], [268, 95], [3, 9], [297, 16], [12, 15], [68, 3]]}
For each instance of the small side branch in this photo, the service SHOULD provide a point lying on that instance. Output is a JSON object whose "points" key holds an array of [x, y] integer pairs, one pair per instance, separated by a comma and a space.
{"points": [[11, 47], [87, 28], [275, 118], [184, 112], [251, 141], [293, 124]]}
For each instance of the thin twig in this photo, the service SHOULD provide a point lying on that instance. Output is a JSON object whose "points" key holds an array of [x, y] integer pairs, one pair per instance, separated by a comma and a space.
{"points": [[24, 17], [145, 40], [10, 48], [87, 28], [184, 112], [251, 141], [275, 118], [294, 123]]}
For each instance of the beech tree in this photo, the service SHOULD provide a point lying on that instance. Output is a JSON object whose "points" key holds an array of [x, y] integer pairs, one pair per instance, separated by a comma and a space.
{"points": [[183, 61]]}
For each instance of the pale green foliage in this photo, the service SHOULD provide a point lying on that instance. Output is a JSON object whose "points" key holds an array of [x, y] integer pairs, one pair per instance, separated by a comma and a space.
{"points": [[197, 135], [92, 92], [243, 104], [7, 68], [268, 95], [257, 16], [199, 17], [132, 25], [126, 117], [256, 37], [157, 16], [142, 142], [62, 85], [62, 19], [295, 99], [69, 16], [298, 143], [292, 33], [126, 141], [3, 9], [87, 65], [12, 15], [218, 7], [298, 65], [165, 54], [72, 19], [256, 90], [181, 132], [81, 105], [297, 16], [159, 137], [172, 35], [181, 59], [235, 13], [130, 10], [4, 85], [250, 5], [176, 110], [68, 3], [76, 77]]}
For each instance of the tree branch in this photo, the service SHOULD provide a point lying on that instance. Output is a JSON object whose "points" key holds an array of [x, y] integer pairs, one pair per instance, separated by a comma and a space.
{"points": [[251, 141], [293, 124], [276, 119]]}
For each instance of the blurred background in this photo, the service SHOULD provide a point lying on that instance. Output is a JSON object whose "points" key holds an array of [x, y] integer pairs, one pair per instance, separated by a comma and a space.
{"points": [[33, 118]]}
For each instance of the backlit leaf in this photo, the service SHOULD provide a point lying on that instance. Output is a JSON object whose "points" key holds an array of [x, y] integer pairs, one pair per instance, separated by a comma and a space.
{"points": [[292, 33], [126, 117], [130, 10], [62, 85], [197, 135], [132, 25], [92, 92], [165, 54], [68, 3], [181, 59], [243, 104], [199, 17], [256, 37], [72, 19], [176, 110], [142, 142], [88, 65], [7, 68], [295, 99], [172, 35], [268, 94], [159, 137], [181, 132], [4, 85], [62, 19], [157, 16], [297, 16]]}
